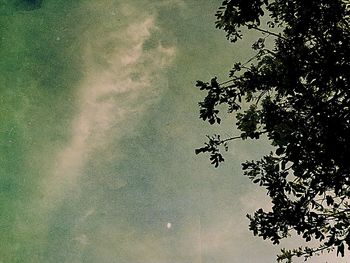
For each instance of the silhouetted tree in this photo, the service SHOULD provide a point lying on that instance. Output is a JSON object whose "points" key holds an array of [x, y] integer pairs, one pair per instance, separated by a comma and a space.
{"points": [[297, 94]]}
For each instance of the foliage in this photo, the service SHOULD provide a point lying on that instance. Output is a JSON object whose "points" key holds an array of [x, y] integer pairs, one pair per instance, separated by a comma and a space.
{"points": [[297, 94]]}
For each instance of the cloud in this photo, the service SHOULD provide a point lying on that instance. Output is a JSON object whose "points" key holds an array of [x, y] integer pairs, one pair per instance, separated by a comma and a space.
{"points": [[122, 80]]}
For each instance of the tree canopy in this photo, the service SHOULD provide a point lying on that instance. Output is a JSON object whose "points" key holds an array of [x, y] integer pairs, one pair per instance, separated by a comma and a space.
{"points": [[297, 95]]}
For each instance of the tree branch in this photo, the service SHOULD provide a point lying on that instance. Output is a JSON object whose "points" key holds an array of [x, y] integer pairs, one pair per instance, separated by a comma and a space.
{"points": [[238, 137], [266, 31]]}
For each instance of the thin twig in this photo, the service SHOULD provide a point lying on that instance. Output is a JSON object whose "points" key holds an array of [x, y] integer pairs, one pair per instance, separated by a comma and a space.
{"points": [[238, 137], [267, 32]]}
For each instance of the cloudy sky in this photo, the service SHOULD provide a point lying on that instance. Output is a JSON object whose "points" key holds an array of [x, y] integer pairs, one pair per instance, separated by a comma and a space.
{"points": [[99, 122]]}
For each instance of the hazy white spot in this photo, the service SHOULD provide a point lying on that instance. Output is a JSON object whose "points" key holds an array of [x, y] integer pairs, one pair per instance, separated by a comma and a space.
{"points": [[88, 213], [82, 239], [10, 132], [168, 225]]}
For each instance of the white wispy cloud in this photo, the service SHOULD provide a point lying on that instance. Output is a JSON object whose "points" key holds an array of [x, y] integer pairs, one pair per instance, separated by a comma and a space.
{"points": [[122, 79]]}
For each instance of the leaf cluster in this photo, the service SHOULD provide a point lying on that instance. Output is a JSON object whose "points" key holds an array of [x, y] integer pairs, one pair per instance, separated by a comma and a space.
{"points": [[298, 95]]}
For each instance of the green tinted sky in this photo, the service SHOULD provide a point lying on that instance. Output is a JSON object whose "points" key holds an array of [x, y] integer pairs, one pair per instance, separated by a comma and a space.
{"points": [[99, 122]]}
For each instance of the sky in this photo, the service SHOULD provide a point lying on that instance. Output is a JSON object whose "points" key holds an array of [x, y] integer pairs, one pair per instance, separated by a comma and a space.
{"points": [[98, 126]]}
